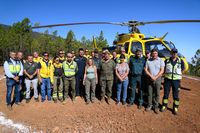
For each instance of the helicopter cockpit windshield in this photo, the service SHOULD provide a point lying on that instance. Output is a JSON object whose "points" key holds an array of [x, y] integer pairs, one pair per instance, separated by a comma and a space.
{"points": [[169, 44], [135, 45], [163, 51], [126, 47]]}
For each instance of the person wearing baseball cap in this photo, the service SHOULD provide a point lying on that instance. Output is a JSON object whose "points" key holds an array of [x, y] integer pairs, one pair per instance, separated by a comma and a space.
{"points": [[107, 68], [174, 67], [136, 65]]}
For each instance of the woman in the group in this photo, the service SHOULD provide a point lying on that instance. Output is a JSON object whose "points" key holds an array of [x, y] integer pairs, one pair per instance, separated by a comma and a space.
{"points": [[90, 80], [58, 80], [122, 70]]}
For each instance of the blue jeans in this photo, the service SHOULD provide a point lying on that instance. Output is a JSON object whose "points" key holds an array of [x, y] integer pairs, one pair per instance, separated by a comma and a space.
{"points": [[134, 81], [46, 84], [122, 85], [10, 83]]}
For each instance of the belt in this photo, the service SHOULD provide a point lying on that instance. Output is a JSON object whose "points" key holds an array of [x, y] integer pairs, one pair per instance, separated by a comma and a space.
{"points": [[136, 75], [69, 76]]}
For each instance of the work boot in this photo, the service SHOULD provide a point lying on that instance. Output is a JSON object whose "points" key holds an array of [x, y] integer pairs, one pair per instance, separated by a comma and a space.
{"points": [[27, 100], [117, 103], [92, 101], [175, 111], [43, 100], [55, 100], [87, 102], [36, 99], [18, 104], [156, 110], [123, 103], [148, 108], [73, 100], [64, 101], [9, 107], [140, 107], [61, 100], [163, 109], [130, 104], [49, 99], [108, 101], [102, 99]]}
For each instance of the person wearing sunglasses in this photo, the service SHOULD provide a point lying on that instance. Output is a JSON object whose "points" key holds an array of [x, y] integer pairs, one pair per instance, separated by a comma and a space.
{"points": [[45, 76], [61, 56], [58, 80], [86, 54]]}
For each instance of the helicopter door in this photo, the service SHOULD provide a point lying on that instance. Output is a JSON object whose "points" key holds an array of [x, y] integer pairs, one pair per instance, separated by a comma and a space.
{"points": [[136, 45]]}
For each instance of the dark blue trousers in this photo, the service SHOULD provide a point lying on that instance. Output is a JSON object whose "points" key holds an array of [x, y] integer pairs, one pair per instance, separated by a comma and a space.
{"points": [[175, 84], [79, 86]]}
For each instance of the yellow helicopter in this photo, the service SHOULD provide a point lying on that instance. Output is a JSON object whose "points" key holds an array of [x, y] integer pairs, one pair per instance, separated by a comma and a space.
{"points": [[135, 40]]}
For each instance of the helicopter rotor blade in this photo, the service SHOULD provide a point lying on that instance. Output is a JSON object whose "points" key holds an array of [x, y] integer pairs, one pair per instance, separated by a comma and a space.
{"points": [[130, 23], [167, 21], [81, 23]]}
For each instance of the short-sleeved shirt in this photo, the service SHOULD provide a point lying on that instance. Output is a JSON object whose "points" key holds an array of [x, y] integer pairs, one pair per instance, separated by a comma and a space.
{"points": [[31, 68], [122, 69], [154, 65]]}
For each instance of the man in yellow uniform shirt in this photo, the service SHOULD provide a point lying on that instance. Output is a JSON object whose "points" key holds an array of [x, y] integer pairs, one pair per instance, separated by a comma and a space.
{"points": [[45, 76]]}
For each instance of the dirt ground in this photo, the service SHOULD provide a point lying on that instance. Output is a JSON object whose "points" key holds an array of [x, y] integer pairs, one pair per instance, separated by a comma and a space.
{"points": [[103, 118]]}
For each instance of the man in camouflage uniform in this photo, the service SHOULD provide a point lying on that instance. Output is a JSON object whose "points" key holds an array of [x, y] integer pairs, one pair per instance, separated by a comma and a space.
{"points": [[107, 75]]}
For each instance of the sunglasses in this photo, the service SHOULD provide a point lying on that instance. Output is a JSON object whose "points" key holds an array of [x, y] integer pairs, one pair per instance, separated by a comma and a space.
{"points": [[61, 53], [56, 60], [46, 55]]}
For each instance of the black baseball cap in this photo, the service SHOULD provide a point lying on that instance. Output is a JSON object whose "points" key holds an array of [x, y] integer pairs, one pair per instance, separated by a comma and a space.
{"points": [[174, 50]]}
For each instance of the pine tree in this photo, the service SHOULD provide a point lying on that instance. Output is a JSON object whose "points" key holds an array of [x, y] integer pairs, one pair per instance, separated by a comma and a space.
{"points": [[196, 63]]}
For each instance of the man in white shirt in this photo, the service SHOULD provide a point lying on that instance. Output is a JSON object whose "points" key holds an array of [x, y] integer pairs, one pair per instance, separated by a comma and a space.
{"points": [[154, 69], [13, 70]]}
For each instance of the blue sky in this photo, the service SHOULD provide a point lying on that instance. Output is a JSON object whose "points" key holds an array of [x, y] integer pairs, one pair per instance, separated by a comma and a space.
{"points": [[185, 36]]}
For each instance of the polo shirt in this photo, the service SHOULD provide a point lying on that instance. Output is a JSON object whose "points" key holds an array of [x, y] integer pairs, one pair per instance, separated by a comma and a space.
{"points": [[154, 65]]}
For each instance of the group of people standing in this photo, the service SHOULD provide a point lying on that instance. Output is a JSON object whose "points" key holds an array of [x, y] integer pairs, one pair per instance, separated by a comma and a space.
{"points": [[96, 75]]}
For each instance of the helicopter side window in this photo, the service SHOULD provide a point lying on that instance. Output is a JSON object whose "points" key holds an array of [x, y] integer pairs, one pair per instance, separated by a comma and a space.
{"points": [[126, 46], [162, 50], [135, 46]]}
